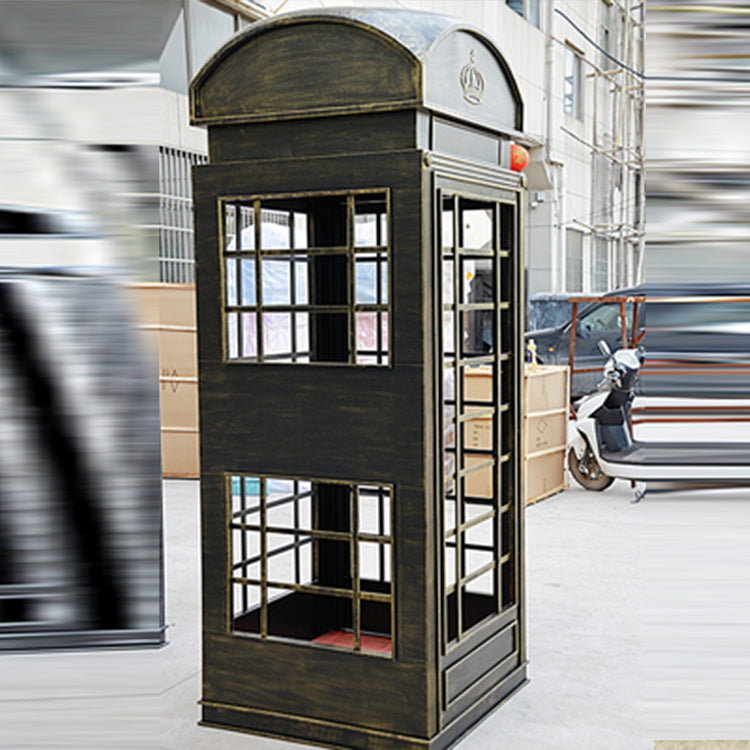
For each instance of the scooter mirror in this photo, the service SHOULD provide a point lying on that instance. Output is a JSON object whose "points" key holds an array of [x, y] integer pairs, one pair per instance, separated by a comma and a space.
{"points": [[604, 348]]}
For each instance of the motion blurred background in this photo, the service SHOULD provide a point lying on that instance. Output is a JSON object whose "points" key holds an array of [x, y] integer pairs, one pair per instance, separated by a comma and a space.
{"points": [[95, 202], [697, 141]]}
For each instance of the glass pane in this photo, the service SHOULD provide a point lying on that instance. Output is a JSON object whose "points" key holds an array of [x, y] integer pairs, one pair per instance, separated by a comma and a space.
{"points": [[231, 281], [366, 282], [386, 560], [369, 510], [477, 559], [232, 336], [277, 333], [279, 489], [281, 564], [370, 229], [230, 227], [275, 232], [248, 281], [479, 279], [478, 332], [276, 278], [449, 333], [301, 271], [476, 225], [366, 230], [245, 599], [478, 483], [367, 331], [247, 228], [249, 335], [484, 584], [447, 222], [302, 323], [383, 279], [300, 230], [369, 561], [478, 433], [448, 281], [478, 384], [483, 533], [450, 566]]}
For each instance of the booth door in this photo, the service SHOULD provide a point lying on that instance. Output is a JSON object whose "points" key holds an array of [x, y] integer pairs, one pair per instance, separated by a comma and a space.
{"points": [[480, 307]]}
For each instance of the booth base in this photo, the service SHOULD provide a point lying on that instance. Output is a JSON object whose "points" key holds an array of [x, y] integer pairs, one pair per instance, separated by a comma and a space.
{"points": [[334, 735]]}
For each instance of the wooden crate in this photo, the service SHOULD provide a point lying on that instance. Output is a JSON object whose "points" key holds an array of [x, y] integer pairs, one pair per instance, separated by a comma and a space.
{"points": [[546, 407], [167, 318]]}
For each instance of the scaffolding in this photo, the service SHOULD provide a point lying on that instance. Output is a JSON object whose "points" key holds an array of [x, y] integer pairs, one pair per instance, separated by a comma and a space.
{"points": [[617, 139]]}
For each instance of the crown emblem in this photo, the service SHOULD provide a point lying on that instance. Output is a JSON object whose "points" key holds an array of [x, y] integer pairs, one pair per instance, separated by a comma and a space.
{"points": [[472, 81]]}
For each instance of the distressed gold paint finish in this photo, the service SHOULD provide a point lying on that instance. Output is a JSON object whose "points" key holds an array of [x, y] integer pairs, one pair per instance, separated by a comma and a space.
{"points": [[348, 103]]}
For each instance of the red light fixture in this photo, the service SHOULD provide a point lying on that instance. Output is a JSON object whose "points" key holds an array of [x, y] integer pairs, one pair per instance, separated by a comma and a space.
{"points": [[519, 157]]}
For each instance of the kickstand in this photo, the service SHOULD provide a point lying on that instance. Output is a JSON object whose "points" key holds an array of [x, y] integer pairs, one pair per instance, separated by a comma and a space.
{"points": [[639, 491]]}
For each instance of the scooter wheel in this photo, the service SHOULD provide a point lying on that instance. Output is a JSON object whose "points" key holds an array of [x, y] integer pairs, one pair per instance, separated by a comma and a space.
{"points": [[587, 472]]}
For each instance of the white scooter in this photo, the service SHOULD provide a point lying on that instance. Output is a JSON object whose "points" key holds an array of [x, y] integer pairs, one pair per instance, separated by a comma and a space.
{"points": [[602, 447]]}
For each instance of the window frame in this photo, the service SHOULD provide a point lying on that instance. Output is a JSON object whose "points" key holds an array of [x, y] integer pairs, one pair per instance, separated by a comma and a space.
{"points": [[382, 307], [354, 537], [573, 82]]}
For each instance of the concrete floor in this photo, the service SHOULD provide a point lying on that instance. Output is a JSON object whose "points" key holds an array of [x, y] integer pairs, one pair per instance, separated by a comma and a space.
{"points": [[638, 629]]}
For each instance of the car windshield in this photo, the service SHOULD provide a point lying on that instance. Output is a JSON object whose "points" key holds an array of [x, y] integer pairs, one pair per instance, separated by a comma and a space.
{"points": [[606, 317]]}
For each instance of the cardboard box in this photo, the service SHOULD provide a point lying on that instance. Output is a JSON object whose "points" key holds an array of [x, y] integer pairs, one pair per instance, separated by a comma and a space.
{"points": [[478, 433], [179, 404], [478, 483], [180, 453], [178, 355], [546, 388], [167, 316], [546, 431], [478, 383], [545, 475], [165, 304]]}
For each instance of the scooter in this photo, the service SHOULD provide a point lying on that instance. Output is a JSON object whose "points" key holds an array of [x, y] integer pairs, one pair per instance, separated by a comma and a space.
{"points": [[602, 447]]}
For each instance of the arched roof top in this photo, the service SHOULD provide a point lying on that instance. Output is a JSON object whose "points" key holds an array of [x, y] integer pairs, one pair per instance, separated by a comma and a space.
{"points": [[351, 60]]}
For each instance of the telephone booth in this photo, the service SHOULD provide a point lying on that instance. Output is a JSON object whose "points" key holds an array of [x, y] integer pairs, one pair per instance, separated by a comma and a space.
{"points": [[358, 247]]}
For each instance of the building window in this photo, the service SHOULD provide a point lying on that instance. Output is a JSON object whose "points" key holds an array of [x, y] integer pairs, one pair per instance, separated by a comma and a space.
{"points": [[312, 561], [176, 241], [600, 264], [529, 9], [573, 260], [605, 37], [572, 93], [306, 279]]}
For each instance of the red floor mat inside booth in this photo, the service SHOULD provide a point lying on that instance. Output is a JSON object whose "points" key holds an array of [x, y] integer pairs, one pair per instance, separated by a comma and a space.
{"points": [[376, 643]]}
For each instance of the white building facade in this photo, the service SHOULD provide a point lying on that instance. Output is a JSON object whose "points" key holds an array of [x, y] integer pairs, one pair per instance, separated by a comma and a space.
{"points": [[120, 109]]}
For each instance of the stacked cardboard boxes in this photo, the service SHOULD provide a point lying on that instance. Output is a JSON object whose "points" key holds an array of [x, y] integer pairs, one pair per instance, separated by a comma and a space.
{"points": [[168, 321], [546, 406]]}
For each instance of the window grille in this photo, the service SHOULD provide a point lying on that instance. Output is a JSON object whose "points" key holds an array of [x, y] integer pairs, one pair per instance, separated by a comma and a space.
{"points": [[306, 279], [311, 561], [176, 242], [476, 238]]}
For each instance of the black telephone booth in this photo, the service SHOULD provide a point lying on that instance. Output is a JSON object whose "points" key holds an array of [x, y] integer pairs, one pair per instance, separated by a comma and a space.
{"points": [[360, 314]]}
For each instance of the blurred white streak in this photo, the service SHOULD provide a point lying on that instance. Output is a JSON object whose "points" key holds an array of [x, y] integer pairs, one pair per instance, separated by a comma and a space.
{"points": [[698, 141]]}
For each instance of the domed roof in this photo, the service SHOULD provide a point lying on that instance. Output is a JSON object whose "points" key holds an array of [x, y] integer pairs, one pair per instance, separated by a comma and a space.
{"points": [[353, 60]]}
